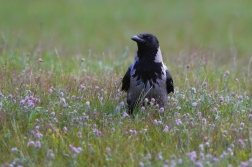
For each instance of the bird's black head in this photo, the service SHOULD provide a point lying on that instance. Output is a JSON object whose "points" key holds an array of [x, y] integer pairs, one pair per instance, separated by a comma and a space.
{"points": [[147, 45]]}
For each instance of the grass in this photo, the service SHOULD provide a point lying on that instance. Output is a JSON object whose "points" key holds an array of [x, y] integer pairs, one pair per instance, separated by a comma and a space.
{"points": [[60, 73]]}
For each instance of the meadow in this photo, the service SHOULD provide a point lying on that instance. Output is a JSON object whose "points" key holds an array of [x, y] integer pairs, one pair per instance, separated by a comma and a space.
{"points": [[61, 65]]}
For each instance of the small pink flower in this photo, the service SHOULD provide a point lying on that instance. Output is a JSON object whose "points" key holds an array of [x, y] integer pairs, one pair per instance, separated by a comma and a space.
{"points": [[31, 104], [250, 117], [203, 121], [79, 134], [161, 110], [65, 128], [192, 156], [37, 144], [51, 90], [22, 102], [221, 99], [166, 129], [226, 74], [194, 104], [51, 155], [125, 114], [178, 122], [83, 87], [160, 157]]}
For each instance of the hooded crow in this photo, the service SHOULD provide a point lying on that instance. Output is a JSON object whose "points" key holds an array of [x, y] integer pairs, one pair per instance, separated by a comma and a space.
{"points": [[147, 77]]}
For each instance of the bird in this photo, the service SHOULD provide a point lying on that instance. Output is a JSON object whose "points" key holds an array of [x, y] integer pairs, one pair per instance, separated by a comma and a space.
{"points": [[147, 77]]}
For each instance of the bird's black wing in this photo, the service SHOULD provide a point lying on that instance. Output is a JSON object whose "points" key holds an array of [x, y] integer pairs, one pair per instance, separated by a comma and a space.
{"points": [[169, 82], [126, 80]]}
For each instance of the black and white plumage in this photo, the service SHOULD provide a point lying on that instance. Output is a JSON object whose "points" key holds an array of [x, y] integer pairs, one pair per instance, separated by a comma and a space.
{"points": [[147, 77]]}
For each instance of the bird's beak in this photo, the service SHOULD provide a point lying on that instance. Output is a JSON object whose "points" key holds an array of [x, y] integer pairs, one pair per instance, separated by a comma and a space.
{"points": [[137, 39]]}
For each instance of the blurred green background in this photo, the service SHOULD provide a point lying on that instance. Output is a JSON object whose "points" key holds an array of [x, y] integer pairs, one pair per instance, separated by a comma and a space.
{"points": [[75, 26]]}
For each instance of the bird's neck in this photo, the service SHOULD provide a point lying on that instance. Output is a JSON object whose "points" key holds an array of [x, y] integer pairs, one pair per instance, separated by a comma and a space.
{"points": [[158, 58], [153, 55]]}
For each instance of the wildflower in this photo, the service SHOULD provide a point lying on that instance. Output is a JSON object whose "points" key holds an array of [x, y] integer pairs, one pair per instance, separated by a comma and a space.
{"points": [[242, 124], [108, 150], [215, 109], [161, 110], [148, 156], [153, 100], [22, 102], [226, 74], [51, 155], [63, 100], [88, 103], [192, 156], [240, 98], [97, 132], [122, 104], [83, 87], [31, 143], [37, 144], [173, 156], [14, 149], [250, 117], [61, 94], [204, 121], [37, 127], [125, 114], [178, 122], [51, 90], [199, 114], [65, 128], [117, 108], [194, 104], [207, 144], [242, 144], [201, 147], [146, 100], [233, 94], [142, 108], [31, 104], [185, 115], [193, 90], [180, 161], [199, 164], [10, 96], [221, 99], [244, 164], [38, 135], [160, 157], [79, 134], [202, 155], [205, 83], [229, 150], [155, 122], [141, 164], [74, 149], [166, 129]]}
